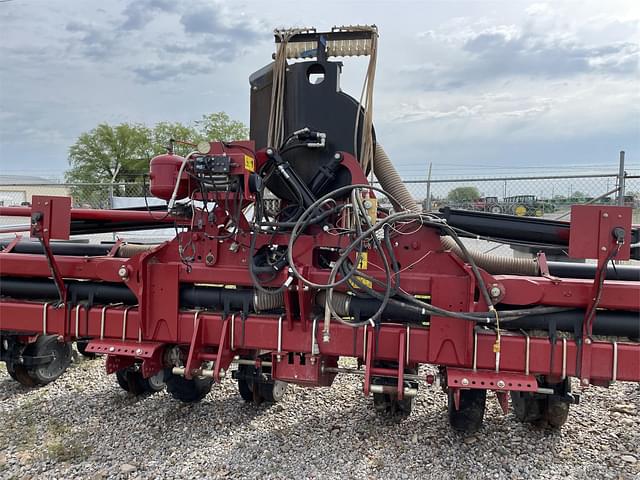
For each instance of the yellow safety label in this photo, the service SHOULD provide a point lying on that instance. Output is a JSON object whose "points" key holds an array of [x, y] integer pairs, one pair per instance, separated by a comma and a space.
{"points": [[362, 281], [249, 163], [364, 261]]}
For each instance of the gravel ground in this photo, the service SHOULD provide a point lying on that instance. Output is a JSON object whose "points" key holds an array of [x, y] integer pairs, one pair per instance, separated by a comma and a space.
{"points": [[85, 426]]}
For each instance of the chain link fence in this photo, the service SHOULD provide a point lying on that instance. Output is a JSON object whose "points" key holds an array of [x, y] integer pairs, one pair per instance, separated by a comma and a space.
{"points": [[543, 196]]}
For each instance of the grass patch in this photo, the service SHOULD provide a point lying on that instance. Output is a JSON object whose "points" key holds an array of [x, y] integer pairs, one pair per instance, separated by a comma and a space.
{"points": [[63, 445]]}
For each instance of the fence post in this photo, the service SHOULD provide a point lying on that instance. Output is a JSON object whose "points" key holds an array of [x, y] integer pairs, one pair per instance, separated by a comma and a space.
{"points": [[621, 180], [429, 188]]}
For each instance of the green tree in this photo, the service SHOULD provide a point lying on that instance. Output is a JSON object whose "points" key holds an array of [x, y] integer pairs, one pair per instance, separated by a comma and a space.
{"points": [[164, 131], [578, 195], [120, 154], [219, 126], [463, 195]]}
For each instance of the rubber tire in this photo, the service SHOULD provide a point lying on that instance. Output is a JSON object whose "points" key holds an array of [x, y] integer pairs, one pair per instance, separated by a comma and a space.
{"points": [[44, 345], [11, 371], [525, 408], [468, 418], [273, 392], [132, 381], [556, 413], [19, 374], [81, 346], [389, 406], [245, 390], [550, 412], [188, 391], [495, 209]]}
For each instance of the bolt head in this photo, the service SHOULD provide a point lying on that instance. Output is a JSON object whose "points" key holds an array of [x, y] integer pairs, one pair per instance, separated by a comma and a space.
{"points": [[584, 382], [122, 271], [112, 349], [465, 381], [604, 249], [139, 351], [500, 384], [495, 292], [587, 341], [605, 215]]}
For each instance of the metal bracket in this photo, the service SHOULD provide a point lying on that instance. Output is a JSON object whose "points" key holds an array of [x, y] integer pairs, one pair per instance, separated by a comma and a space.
{"points": [[123, 354]]}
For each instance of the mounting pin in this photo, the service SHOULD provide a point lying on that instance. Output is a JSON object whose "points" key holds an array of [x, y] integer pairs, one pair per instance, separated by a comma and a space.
{"points": [[123, 273], [500, 383], [465, 381]]}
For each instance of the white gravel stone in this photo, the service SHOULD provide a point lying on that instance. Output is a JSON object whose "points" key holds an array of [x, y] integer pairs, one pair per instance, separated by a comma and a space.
{"points": [[85, 426]]}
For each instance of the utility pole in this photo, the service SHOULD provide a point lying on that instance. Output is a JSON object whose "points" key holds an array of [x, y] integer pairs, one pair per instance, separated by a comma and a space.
{"points": [[429, 188], [621, 180]]}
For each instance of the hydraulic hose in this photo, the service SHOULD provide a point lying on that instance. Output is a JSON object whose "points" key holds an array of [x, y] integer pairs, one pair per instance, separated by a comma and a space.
{"points": [[391, 182], [265, 301], [352, 306], [495, 264]]}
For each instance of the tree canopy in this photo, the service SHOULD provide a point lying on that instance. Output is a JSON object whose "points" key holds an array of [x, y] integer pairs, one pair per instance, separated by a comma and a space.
{"points": [[463, 194], [121, 153]]}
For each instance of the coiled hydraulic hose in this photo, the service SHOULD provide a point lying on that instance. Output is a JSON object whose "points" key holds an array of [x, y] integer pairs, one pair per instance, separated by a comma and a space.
{"points": [[495, 264]]}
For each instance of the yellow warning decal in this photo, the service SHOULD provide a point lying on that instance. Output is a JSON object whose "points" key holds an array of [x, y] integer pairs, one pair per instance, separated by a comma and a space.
{"points": [[249, 163], [364, 261], [362, 265], [362, 281]]}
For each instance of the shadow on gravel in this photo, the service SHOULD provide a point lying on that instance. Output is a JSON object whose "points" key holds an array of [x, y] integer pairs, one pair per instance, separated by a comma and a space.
{"points": [[9, 388]]}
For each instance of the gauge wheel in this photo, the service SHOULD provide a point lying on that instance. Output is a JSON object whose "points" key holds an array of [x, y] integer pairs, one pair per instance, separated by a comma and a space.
{"points": [[544, 411], [470, 414], [271, 391], [48, 345], [19, 374], [81, 346], [131, 380], [387, 404], [187, 390]]}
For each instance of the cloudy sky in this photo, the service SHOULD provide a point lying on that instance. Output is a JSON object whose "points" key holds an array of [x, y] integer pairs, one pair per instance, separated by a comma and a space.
{"points": [[476, 87]]}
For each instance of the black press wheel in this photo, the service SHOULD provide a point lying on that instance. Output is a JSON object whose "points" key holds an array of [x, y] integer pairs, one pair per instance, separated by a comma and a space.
{"points": [[543, 411], [58, 352], [19, 374], [253, 387], [81, 346], [245, 390], [388, 405], [131, 380], [273, 391], [188, 391], [468, 417], [15, 370]]}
